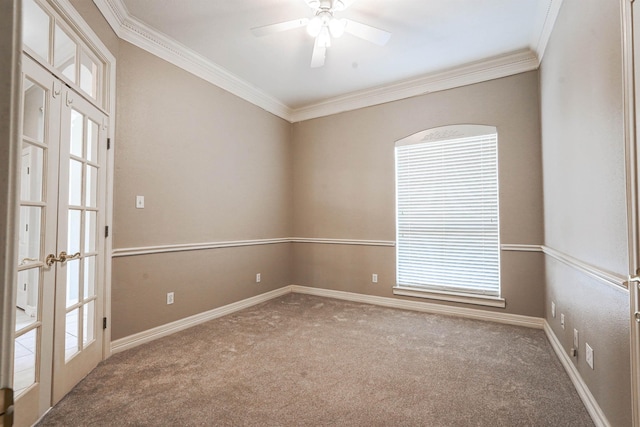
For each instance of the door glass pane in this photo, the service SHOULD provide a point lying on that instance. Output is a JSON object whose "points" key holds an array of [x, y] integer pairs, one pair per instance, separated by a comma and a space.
{"points": [[35, 29], [91, 186], [29, 236], [71, 336], [64, 54], [88, 319], [90, 231], [77, 123], [24, 361], [88, 75], [33, 111], [27, 297], [92, 141], [73, 282], [75, 183], [75, 223], [31, 172], [89, 277]]}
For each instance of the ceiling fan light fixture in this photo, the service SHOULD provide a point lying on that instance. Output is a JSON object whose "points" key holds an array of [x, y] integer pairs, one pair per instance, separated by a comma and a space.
{"points": [[324, 38], [337, 26], [314, 26]]}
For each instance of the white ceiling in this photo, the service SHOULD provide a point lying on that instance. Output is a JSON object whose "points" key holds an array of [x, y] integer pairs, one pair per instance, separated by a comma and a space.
{"points": [[430, 39]]}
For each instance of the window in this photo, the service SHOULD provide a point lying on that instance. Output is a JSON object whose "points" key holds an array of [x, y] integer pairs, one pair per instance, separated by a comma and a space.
{"points": [[73, 60], [447, 214]]}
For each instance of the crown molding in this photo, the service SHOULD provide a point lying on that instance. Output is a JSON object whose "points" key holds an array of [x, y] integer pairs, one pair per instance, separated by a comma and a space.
{"points": [[147, 38], [544, 27], [476, 72], [141, 35]]}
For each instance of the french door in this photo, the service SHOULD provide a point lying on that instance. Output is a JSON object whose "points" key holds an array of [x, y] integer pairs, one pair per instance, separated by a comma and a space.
{"points": [[61, 242]]}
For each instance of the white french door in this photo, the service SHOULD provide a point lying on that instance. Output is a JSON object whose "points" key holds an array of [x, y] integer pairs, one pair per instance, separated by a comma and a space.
{"points": [[61, 242], [79, 279]]}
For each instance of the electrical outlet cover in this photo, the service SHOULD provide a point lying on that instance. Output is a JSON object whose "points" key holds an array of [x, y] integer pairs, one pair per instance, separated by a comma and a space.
{"points": [[589, 355]]}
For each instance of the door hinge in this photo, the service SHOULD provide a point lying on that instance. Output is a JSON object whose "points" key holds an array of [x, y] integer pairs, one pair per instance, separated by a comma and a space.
{"points": [[108, 143], [104, 323], [6, 407], [106, 231]]}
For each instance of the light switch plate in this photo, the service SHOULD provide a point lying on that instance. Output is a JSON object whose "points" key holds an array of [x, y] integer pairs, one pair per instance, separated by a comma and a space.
{"points": [[139, 202]]}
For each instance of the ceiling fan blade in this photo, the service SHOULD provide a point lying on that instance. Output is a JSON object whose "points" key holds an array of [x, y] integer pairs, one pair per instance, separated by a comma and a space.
{"points": [[318, 55], [276, 28], [367, 32]]}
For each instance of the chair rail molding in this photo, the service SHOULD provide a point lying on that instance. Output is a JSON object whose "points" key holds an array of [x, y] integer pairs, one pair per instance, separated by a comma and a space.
{"points": [[616, 280], [183, 247]]}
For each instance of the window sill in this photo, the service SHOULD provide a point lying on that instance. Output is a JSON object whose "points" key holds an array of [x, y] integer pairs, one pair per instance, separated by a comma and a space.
{"points": [[488, 301]]}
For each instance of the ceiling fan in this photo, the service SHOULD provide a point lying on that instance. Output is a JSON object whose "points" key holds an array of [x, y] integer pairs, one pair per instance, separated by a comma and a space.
{"points": [[324, 25]]}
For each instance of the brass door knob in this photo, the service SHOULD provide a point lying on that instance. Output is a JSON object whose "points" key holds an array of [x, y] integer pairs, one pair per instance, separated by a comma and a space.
{"points": [[63, 257]]}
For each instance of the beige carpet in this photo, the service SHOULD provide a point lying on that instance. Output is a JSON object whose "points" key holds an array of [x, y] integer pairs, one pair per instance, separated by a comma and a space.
{"points": [[308, 361]]}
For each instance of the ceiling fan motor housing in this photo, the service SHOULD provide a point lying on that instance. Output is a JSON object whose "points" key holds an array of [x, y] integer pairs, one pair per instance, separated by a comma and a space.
{"points": [[326, 5], [324, 23]]}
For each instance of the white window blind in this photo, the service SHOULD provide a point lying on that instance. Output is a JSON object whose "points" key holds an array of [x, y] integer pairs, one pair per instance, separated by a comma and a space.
{"points": [[447, 211]]}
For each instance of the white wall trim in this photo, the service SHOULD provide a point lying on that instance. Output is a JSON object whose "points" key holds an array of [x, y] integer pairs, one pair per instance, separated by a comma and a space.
{"points": [[488, 301], [477, 72], [136, 32], [588, 399], [544, 28], [10, 152], [631, 83], [179, 325], [520, 248], [147, 250], [581, 387], [608, 277], [390, 243], [426, 307], [147, 38]]}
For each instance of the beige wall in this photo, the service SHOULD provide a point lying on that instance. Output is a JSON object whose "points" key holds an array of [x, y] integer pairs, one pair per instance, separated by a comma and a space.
{"points": [[584, 193], [212, 168], [344, 185]]}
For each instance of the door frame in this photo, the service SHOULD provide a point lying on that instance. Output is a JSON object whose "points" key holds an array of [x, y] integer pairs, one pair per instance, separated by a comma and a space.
{"points": [[630, 15], [10, 82]]}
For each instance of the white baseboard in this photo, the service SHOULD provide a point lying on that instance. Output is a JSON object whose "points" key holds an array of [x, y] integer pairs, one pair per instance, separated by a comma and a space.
{"points": [[589, 401], [179, 325], [511, 319], [426, 307]]}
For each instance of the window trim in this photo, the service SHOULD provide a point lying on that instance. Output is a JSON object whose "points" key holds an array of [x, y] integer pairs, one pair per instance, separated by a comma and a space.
{"points": [[477, 299], [442, 133]]}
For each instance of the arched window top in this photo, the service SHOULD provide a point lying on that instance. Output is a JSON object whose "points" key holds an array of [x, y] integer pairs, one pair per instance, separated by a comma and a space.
{"points": [[447, 213], [447, 132]]}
